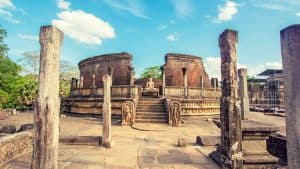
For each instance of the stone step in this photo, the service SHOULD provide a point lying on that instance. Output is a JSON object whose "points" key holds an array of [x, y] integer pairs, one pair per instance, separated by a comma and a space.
{"points": [[151, 117], [150, 106], [151, 121], [150, 110]]}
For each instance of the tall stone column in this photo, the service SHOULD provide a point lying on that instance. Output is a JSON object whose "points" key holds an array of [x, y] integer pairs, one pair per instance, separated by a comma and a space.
{"points": [[106, 128], [290, 50], [131, 80], [46, 116], [231, 134], [202, 82], [243, 85], [184, 70], [162, 68]]}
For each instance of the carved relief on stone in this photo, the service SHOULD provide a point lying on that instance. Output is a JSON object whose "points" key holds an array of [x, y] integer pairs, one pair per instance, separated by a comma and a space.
{"points": [[174, 113], [128, 112]]}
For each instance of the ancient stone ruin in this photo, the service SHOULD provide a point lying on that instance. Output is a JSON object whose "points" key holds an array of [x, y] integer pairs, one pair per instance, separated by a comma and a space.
{"points": [[184, 81]]}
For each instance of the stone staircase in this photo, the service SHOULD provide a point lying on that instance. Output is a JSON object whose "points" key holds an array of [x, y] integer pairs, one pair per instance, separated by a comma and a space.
{"points": [[151, 110]]}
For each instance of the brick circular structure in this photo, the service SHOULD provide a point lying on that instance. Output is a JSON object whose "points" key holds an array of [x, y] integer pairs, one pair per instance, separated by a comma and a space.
{"points": [[93, 69], [194, 66]]}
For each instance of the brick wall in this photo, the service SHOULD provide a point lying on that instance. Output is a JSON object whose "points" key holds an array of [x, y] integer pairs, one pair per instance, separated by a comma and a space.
{"points": [[195, 69]]}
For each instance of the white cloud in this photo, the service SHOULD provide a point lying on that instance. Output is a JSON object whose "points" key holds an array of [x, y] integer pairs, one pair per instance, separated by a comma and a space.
{"points": [[173, 36], [6, 8], [213, 67], [28, 37], [132, 6], [84, 27], [254, 70], [298, 14], [162, 27], [62, 4], [277, 5], [226, 11], [183, 8]]}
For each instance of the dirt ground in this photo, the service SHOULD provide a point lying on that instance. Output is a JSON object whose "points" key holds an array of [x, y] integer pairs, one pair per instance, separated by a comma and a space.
{"points": [[134, 148]]}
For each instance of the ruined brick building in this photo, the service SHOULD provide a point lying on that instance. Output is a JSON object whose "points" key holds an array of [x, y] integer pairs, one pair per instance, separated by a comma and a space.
{"points": [[184, 81]]}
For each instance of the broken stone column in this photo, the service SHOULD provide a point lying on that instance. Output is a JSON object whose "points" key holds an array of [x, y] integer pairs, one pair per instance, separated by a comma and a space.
{"points": [[185, 81], [94, 80], [162, 68], [46, 116], [106, 128], [231, 134], [290, 50], [243, 85]]}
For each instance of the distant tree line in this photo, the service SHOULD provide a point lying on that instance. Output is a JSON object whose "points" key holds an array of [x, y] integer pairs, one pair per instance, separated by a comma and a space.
{"points": [[18, 83]]}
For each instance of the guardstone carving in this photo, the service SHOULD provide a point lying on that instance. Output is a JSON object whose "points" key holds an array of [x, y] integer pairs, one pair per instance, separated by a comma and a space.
{"points": [[174, 113], [128, 112]]}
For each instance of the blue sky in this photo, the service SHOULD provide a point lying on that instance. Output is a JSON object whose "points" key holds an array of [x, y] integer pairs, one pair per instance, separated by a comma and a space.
{"points": [[148, 29]]}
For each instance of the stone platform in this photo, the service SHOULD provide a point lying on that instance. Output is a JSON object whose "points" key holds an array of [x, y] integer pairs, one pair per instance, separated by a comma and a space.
{"points": [[255, 154]]}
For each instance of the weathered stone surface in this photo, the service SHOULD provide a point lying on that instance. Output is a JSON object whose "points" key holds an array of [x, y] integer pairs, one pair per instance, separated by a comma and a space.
{"points": [[181, 142], [107, 140], [128, 112], [243, 90], [82, 140], [25, 127], [15, 145], [208, 140], [276, 145], [98, 65], [46, 117], [173, 72], [174, 114], [231, 134], [8, 129], [290, 49]]}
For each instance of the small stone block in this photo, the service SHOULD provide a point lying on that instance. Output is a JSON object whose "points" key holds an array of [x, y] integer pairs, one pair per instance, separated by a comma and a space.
{"points": [[208, 140], [181, 142]]}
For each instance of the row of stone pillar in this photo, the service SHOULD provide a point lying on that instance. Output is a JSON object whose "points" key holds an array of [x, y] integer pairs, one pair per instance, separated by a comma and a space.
{"points": [[46, 117], [231, 113]]}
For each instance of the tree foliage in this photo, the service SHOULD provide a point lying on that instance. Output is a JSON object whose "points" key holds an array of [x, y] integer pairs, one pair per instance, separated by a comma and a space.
{"points": [[152, 71], [18, 85]]}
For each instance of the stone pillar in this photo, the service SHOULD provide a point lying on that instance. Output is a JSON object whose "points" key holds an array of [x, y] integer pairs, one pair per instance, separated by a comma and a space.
{"points": [[231, 134], [73, 83], [106, 138], [202, 82], [214, 82], [162, 68], [94, 80], [290, 50], [81, 82], [46, 116], [243, 85], [110, 73], [185, 81], [131, 82]]}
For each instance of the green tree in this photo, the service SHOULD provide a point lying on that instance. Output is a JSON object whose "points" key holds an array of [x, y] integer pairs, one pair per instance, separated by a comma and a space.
{"points": [[152, 71]]}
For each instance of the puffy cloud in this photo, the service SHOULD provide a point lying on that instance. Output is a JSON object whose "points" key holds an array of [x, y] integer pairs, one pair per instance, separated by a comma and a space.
{"points": [[213, 67], [298, 14], [6, 8], [226, 11], [62, 4], [254, 70], [183, 8], [28, 37], [134, 7], [84, 27], [173, 36]]}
